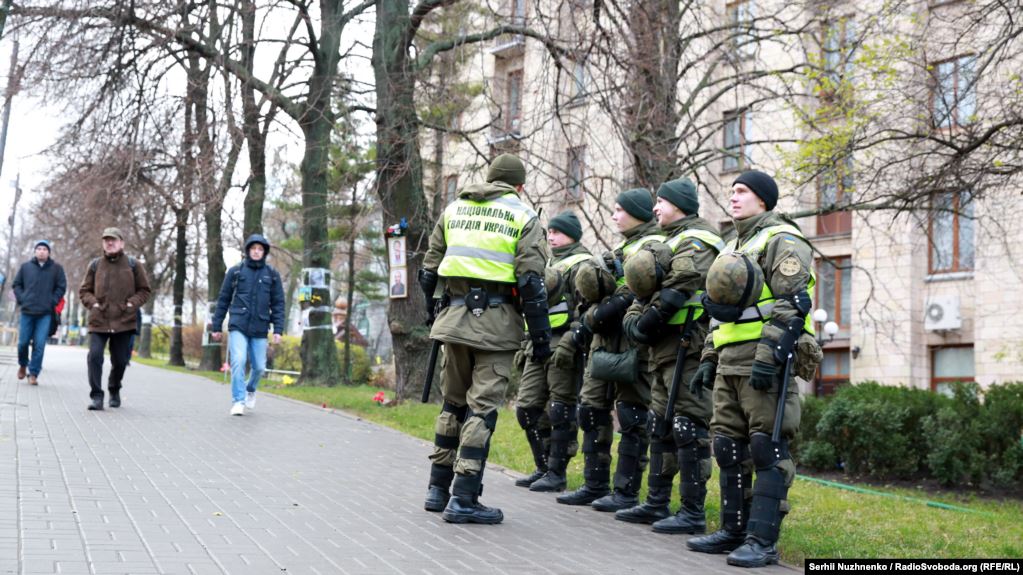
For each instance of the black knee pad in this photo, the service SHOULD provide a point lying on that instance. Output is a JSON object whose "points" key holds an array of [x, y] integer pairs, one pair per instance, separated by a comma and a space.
{"points": [[729, 452], [766, 453], [460, 412], [528, 416], [560, 413], [684, 430], [592, 418], [632, 418]]}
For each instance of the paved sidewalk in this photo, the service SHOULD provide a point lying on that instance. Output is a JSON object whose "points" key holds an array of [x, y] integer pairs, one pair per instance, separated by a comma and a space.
{"points": [[170, 483]]}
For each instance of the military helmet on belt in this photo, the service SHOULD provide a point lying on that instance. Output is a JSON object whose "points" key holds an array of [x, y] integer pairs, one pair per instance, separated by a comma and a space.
{"points": [[734, 279], [593, 282], [554, 282], [645, 269]]}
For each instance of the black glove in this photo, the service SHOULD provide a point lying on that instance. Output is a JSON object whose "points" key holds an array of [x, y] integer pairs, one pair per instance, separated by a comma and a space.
{"points": [[541, 351], [581, 336], [672, 300], [704, 377], [428, 283], [763, 375], [608, 315], [650, 326]]}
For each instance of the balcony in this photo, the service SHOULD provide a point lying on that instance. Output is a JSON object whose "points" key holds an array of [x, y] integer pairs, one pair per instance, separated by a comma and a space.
{"points": [[508, 46]]}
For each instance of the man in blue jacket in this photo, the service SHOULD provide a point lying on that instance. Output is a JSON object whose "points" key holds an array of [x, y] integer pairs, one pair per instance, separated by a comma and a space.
{"points": [[38, 287], [253, 293]]}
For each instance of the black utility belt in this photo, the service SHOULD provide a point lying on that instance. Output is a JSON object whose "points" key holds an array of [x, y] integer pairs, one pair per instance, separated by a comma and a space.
{"points": [[478, 300]]}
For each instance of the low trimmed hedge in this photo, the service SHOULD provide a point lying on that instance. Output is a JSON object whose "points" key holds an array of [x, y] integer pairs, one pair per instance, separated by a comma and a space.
{"points": [[974, 437], [288, 356]]}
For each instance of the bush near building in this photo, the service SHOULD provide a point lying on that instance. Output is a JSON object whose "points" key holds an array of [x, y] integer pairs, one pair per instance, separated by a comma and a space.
{"points": [[974, 437], [288, 357]]}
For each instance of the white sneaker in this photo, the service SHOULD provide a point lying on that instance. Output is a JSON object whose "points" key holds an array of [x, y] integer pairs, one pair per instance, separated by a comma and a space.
{"points": [[238, 408], [250, 400]]}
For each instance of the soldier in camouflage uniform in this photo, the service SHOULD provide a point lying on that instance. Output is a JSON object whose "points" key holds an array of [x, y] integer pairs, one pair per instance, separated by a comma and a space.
{"points": [[618, 373], [682, 445], [758, 294], [488, 247], [551, 427]]}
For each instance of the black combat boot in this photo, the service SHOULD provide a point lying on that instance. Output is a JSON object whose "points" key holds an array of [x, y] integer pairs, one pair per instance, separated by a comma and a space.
{"points": [[596, 473], [735, 508], [693, 458], [97, 404], [529, 421], [437, 495], [769, 491], [464, 505], [632, 458], [653, 509], [115, 398], [563, 434], [656, 506]]}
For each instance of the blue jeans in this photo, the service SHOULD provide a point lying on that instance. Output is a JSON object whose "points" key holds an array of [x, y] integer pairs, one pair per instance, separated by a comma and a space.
{"points": [[242, 348], [34, 329]]}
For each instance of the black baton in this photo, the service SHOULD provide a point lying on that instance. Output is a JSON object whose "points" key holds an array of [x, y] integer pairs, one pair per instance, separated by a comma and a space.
{"points": [[430, 368], [779, 415]]}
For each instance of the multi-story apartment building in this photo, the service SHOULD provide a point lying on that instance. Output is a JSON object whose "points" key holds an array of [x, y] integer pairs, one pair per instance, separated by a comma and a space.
{"points": [[921, 280]]}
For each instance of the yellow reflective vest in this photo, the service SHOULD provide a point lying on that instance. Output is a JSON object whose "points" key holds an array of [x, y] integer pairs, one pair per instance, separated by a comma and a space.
{"points": [[751, 322], [481, 238], [559, 313], [693, 303]]}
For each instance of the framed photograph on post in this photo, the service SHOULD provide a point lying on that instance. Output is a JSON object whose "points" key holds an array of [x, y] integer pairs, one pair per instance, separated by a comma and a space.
{"points": [[396, 252], [399, 283]]}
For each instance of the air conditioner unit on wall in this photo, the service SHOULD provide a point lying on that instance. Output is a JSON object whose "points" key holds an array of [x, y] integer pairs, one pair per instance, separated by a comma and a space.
{"points": [[942, 313]]}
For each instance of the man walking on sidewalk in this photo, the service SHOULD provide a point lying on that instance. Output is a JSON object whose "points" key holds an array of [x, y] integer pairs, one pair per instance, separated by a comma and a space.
{"points": [[115, 287], [253, 293], [38, 287]]}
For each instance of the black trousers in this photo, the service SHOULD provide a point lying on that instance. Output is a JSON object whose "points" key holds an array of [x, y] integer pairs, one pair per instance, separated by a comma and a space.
{"points": [[120, 353]]}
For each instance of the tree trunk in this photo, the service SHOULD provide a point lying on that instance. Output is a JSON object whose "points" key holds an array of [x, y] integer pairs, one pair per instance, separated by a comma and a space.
{"points": [[255, 138], [350, 284], [177, 356], [400, 185], [652, 85], [319, 357]]}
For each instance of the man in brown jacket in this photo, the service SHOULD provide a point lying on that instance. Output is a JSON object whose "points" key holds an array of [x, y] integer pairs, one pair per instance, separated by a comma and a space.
{"points": [[115, 287]]}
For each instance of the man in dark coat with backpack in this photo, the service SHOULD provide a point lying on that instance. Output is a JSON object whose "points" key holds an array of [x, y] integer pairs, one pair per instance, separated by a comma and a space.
{"points": [[253, 293], [38, 288], [114, 288]]}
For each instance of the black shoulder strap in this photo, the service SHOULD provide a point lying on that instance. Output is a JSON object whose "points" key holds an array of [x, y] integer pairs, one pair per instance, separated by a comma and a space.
{"points": [[93, 264]]}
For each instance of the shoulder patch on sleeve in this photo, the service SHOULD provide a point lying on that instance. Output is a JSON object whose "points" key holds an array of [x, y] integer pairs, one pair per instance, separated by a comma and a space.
{"points": [[790, 266]]}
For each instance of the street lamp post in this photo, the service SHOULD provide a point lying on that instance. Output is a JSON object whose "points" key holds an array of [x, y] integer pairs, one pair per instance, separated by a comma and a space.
{"points": [[830, 328]]}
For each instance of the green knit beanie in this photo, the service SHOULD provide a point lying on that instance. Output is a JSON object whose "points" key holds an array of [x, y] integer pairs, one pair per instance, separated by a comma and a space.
{"points": [[508, 169], [638, 203], [568, 224], [681, 193]]}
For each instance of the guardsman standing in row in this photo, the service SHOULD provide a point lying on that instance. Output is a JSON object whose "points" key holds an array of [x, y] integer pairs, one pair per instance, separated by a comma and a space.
{"points": [[670, 318], [551, 428], [618, 370], [758, 294], [489, 248]]}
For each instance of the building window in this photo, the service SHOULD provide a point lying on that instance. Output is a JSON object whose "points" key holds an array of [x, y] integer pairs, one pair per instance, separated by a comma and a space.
{"points": [[736, 157], [954, 92], [834, 289], [951, 232], [576, 173], [740, 17], [513, 102], [450, 189], [838, 45], [834, 188], [949, 365], [834, 371]]}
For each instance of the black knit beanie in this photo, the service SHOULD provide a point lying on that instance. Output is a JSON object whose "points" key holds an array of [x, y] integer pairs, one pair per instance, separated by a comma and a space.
{"points": [[762, 185]]}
